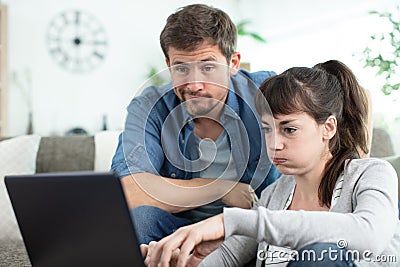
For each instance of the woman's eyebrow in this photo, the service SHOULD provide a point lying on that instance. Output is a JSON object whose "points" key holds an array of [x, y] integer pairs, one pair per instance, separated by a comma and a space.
{"points": [[287, 121]]}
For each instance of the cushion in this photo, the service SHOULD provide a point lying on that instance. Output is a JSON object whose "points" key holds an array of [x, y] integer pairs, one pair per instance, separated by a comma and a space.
{"points": [[382, 145], [17, 156], [395, 161], [105, 146], [65, 153]]}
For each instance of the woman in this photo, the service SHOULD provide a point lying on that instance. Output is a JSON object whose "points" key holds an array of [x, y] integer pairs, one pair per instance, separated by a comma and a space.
{"points": [[330, 208]]}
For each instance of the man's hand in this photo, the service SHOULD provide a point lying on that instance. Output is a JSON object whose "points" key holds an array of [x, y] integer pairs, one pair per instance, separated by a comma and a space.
{"points": [[241, 196], [202, 250]]}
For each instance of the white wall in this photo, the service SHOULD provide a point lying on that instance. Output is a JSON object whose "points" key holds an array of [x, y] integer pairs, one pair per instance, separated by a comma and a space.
{"points": [[298, 33]]}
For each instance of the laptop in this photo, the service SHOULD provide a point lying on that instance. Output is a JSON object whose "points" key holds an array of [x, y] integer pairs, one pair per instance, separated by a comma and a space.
{"points": [[74, 219]]}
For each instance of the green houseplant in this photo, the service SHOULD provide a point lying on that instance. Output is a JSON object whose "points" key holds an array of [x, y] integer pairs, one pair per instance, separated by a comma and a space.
{"points": [[385, 56], [243, 31]]}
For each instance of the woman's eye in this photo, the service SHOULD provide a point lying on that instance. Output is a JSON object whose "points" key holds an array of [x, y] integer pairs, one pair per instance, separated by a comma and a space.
{"points": [[290, 130]]}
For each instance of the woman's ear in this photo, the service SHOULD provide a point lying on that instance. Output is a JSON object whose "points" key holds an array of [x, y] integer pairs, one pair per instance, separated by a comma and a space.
{"points": [[330, 128]]}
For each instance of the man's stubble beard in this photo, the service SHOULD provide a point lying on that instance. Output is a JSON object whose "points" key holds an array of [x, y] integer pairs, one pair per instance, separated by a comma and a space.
{"points": [[202, 106]]}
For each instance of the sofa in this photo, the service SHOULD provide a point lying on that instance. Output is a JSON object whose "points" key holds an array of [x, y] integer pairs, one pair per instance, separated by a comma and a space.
{"points": [[30, 154]]}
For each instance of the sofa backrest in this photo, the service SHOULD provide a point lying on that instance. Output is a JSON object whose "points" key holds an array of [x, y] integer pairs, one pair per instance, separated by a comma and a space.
{"points": [[67, 153]]}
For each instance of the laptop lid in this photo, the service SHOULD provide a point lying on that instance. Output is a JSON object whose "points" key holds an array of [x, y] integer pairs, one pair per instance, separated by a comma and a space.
{"points": [[74, 219]]}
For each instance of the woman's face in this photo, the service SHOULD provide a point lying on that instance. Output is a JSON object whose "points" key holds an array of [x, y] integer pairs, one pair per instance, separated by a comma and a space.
{"points": [[296, 144]]}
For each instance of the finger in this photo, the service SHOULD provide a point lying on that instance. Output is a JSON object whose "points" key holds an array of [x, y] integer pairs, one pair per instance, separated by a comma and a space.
{"points": [[251, 190], [155, 249], [174, 242], [143, 249], [147, 261], [150, 249], [170, 252], [175, 257], [186, 248], [162, 252]]}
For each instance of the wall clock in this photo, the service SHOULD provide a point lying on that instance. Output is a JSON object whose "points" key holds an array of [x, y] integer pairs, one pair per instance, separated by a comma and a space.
{"points": [[76, 40]]}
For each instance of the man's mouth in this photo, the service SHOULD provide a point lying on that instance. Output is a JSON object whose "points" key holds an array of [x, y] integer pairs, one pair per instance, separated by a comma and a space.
{"points": [[191, 96]]}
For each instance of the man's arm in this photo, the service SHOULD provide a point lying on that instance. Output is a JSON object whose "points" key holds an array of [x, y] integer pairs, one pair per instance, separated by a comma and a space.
{"points": [[176, 195]]}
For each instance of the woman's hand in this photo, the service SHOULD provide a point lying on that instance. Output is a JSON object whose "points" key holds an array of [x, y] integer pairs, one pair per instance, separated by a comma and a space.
{"points": [[199, 253], [187, 239], [146, 251]]}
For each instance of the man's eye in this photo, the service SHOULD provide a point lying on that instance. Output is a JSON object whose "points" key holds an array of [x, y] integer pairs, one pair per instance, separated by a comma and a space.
{"points": [[181, 69], [208, 68]]}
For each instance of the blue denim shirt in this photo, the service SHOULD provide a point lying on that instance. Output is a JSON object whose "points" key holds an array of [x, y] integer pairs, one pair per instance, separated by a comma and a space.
{"points": [[159, 134]]}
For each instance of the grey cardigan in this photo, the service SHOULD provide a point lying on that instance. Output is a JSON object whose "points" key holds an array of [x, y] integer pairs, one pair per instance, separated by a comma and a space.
{"points": [[365, 216]]}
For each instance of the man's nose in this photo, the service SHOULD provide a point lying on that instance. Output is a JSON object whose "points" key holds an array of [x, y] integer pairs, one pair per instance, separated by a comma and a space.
{"points": [[195, 86]]}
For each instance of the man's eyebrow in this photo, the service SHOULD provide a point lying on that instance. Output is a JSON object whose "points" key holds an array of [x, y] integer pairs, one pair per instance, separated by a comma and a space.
{"points": [[178, 62], [208, 59], [202, 60]]}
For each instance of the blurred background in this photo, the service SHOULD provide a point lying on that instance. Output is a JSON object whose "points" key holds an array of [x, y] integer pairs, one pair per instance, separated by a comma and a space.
{"points": [[49, 88]]}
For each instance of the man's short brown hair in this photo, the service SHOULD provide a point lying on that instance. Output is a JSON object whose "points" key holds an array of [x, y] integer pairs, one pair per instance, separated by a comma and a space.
{"points": [[191, 25]]}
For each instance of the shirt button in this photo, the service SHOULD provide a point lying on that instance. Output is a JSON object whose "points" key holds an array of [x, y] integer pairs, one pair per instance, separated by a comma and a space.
{"points": [[173, 175], [183, 141]]}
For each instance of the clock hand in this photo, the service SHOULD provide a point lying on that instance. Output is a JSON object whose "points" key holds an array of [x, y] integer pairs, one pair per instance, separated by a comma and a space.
{"points": [[77, 17]]}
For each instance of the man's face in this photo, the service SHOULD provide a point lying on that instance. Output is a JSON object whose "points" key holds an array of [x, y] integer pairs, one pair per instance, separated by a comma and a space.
{"points": [[201, 77]]}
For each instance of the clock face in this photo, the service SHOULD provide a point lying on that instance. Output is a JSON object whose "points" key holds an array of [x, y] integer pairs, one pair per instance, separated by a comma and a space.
{"points": [[76, 41]]}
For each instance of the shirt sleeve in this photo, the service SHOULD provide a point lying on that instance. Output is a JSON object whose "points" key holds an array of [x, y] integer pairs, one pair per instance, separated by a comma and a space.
{"points": [[139, 148], [370, 226], [258, 77]]}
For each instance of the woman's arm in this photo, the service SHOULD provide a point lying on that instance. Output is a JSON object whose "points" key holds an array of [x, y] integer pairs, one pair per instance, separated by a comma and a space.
{"points": [[370, 226]]}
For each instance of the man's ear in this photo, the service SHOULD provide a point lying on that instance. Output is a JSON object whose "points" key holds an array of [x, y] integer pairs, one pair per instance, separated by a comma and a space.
{"points": [[167, 62], [234, 63], [330, 128]]}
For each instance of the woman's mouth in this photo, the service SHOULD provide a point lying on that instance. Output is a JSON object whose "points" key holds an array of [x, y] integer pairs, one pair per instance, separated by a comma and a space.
{"points": [[278, 160]]}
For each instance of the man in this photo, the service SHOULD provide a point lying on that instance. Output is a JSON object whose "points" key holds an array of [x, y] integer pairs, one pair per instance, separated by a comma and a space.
{"points": [[194, 145]]}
